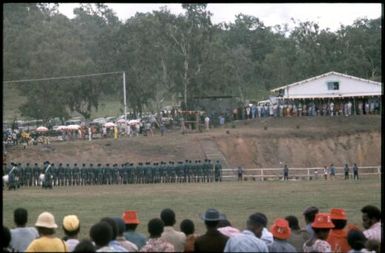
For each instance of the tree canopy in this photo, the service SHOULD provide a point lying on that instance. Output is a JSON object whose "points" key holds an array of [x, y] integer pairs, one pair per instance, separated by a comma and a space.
{"points": [[167, 56]]}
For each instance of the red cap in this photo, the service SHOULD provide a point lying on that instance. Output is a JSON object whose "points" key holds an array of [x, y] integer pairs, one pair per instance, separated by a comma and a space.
{"points": [[130, 217], [322, 220], [280, 229], [338, 214]]}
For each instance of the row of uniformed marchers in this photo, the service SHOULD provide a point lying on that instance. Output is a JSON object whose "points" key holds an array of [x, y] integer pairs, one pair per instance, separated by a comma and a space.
{"points": [[51, 175]]}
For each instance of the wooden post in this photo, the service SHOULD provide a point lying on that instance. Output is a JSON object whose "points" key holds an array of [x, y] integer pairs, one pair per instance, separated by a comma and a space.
{"points": [[261, 174]]}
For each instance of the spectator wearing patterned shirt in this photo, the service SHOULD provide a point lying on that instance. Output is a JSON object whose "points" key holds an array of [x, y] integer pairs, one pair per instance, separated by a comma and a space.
{"points": [[129, 246], [321, 226], [371, 221], [176, 238], [155, 243], [249, 239]]}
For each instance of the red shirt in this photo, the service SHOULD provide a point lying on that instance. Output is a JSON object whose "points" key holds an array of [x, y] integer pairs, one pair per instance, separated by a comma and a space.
{"points": [[338, 240]]}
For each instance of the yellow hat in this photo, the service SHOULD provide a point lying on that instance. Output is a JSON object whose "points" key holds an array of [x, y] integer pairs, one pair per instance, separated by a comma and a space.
{"points": [[71, 222]]}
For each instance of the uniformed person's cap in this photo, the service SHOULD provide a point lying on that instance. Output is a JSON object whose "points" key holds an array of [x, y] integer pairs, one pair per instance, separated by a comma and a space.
{"points": [[60, 164], [99, 164], [68, 164], [75, 164], [46, 162], [35, 163], [52, 164], [84, 164], [27, 163], [107, 164], [91, 164]]}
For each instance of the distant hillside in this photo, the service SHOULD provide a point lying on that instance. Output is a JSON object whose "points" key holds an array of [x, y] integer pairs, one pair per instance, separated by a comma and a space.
{"points": [[300, 142]]}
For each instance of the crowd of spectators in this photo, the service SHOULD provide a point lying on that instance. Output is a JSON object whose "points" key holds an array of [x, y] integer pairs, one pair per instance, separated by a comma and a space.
{"points": [[324, 232]]}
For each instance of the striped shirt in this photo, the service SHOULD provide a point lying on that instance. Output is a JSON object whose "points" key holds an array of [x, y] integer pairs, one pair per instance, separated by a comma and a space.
{"points": [[374, 232]]}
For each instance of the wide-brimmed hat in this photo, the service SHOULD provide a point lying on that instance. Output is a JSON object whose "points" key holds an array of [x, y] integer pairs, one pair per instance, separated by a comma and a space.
{"points": [[322, 220], [46, 220], [338, 214], [280, 229], [71, 222], [212, 215], [130, 217]]}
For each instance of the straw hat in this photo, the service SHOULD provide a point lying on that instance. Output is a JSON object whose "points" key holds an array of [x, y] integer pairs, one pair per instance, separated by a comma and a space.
{"points": [[322, 220], [71, 222], [46, 220], [280, 229]]}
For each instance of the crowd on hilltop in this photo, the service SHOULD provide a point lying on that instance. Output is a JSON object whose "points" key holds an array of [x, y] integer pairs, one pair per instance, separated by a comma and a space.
{"points": [[324, 232]]}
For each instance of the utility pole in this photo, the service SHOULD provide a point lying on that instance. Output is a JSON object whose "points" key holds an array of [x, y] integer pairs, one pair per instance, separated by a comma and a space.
{"points": [[124, 94]]}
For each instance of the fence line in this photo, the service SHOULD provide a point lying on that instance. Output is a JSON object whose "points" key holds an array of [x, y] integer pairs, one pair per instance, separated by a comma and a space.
{"points": [[309, 173]]}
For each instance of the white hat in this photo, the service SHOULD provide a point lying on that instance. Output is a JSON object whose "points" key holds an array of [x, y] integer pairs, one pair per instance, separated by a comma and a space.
{"points": [[46, 220]]}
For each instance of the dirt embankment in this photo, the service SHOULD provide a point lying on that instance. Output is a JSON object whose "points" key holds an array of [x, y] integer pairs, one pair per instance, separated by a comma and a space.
{"points": [[300, 142]]}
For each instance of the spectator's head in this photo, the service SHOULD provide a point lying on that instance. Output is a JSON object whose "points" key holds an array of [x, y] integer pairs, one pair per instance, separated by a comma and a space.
{"points": [[338, 217], [212, 218], [20, 216], [155, 227], [168, 217], [120, 224], [187, 227], [256, 223], [264, 216], [130, 219], [101, 233], [113, 225], [310, 213], [322, 225], [71, 225], [6, 237], [356, 239], [85, 245], [224, 223], [45, 224], [280, 229], [293, 222], [370, 216]]}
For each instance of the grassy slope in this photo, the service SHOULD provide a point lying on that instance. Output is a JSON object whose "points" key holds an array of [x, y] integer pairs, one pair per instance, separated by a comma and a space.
{"points": [[236, 200]]}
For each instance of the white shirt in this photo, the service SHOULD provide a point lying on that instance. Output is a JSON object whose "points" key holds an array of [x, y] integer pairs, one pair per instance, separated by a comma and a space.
{"points": [[245, 242], [374, 232]]}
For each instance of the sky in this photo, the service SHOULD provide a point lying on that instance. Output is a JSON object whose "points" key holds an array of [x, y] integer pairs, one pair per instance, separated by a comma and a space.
{"points": [[327, 15]]}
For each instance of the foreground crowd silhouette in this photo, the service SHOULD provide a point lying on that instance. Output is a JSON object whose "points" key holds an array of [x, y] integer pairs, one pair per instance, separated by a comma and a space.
{"points": [[324, 232]]}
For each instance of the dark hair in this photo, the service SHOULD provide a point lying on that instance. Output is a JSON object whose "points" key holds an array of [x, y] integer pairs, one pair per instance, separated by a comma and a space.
{"points": [[101, 233], [45, 231], [6, 237], [211, 223], [224, 223], [168, 217], [85, 245], [113, 225], [131, 226], [264, 217], [310, 215], [257, 219], [372, 212], [356, 239], [155, 227], [20, 216], [72, 232], [120, 225], [339, 224], [293, 222], [187, 227]]}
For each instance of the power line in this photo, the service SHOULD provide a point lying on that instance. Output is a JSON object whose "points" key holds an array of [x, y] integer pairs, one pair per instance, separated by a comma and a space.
{"points": [[61, 77]]}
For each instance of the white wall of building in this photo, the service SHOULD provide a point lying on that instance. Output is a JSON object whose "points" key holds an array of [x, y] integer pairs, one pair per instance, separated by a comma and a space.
{"points": [[348, 87]]}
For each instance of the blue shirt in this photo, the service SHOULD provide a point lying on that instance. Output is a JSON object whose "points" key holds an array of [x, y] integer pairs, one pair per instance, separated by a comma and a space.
{"points": [[245, 242], [136, 238]]}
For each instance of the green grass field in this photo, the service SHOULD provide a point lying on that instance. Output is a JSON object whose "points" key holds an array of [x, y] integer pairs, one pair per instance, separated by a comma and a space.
{"points": [[236, 200]]}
